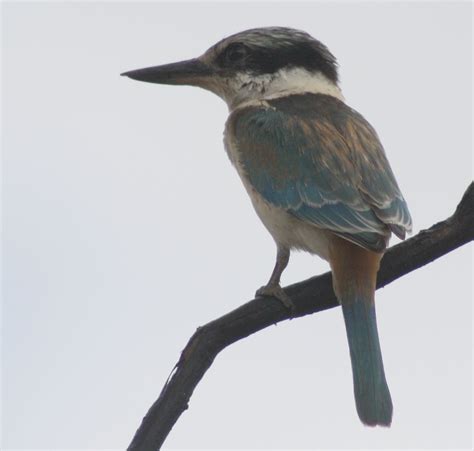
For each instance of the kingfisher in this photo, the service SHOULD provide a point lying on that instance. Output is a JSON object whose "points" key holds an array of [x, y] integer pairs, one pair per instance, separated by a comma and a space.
{"points": [[315, 171]]}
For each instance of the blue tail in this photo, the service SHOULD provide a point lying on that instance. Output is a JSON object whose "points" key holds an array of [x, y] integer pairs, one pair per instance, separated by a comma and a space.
{"points": [[373, 401]]}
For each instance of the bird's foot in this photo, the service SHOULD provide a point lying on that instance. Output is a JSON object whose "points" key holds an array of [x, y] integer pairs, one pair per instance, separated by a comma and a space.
{"points": [[274, 290]]}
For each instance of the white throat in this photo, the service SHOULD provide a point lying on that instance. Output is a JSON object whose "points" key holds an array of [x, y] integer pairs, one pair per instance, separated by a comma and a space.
{"points": [[247, 89]]}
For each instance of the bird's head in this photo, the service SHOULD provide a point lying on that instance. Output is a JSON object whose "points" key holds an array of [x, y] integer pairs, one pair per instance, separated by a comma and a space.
{"points": [[253, 65]]}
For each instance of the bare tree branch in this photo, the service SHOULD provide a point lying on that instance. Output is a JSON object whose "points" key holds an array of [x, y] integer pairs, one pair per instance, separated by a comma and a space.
{"points": [[310, 296]]}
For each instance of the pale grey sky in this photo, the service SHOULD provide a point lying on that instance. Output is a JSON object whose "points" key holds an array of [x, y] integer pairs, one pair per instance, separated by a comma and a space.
{"points": [[125, 228]]}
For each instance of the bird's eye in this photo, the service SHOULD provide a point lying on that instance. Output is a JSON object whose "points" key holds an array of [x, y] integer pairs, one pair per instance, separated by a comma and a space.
{"points": [[235, 53]]}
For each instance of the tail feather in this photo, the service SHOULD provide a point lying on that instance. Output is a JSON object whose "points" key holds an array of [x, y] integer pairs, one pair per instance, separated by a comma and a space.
{"points": [[372, 396], [354, 278]]}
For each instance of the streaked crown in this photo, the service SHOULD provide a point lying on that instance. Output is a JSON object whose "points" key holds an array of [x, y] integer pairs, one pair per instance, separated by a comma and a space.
{"points": [[267, 50]]}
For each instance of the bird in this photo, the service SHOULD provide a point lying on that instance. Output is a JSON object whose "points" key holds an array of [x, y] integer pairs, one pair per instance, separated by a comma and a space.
{"points": [[315, 171]]}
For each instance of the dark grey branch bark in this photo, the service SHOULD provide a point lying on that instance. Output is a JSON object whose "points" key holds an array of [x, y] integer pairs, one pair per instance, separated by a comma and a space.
{"points": [[310, 296]]}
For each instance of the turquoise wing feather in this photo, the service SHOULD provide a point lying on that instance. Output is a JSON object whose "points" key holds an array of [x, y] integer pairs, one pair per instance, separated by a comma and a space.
{"points": [[321, 161]]}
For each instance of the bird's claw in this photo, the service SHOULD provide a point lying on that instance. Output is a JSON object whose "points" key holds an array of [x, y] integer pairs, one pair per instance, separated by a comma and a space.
{"points": [[277, 292]]}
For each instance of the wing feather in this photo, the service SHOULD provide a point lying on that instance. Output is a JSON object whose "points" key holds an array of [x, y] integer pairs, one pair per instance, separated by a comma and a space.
{"points": [[322, 162]]}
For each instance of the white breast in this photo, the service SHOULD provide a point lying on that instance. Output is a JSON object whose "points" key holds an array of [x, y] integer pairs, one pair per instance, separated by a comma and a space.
{"points": [[286, 229]]}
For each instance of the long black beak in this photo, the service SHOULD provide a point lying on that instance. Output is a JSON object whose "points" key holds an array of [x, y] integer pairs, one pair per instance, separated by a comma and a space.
{"points": [[189, 72]]}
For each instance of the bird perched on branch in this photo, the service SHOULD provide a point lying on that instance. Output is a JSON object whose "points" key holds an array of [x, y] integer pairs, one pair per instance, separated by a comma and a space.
{"points": [[315, 171]]}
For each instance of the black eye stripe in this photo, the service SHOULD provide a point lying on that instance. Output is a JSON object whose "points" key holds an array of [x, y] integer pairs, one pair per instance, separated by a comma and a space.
{"points": [[312, 56], [236, 51]]}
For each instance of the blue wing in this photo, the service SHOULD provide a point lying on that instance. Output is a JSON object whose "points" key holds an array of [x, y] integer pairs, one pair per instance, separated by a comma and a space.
{"points": [[321, 161]]}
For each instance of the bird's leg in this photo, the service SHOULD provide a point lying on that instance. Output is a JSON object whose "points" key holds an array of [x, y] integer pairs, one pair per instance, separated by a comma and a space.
{"points": [[273, 288]]}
